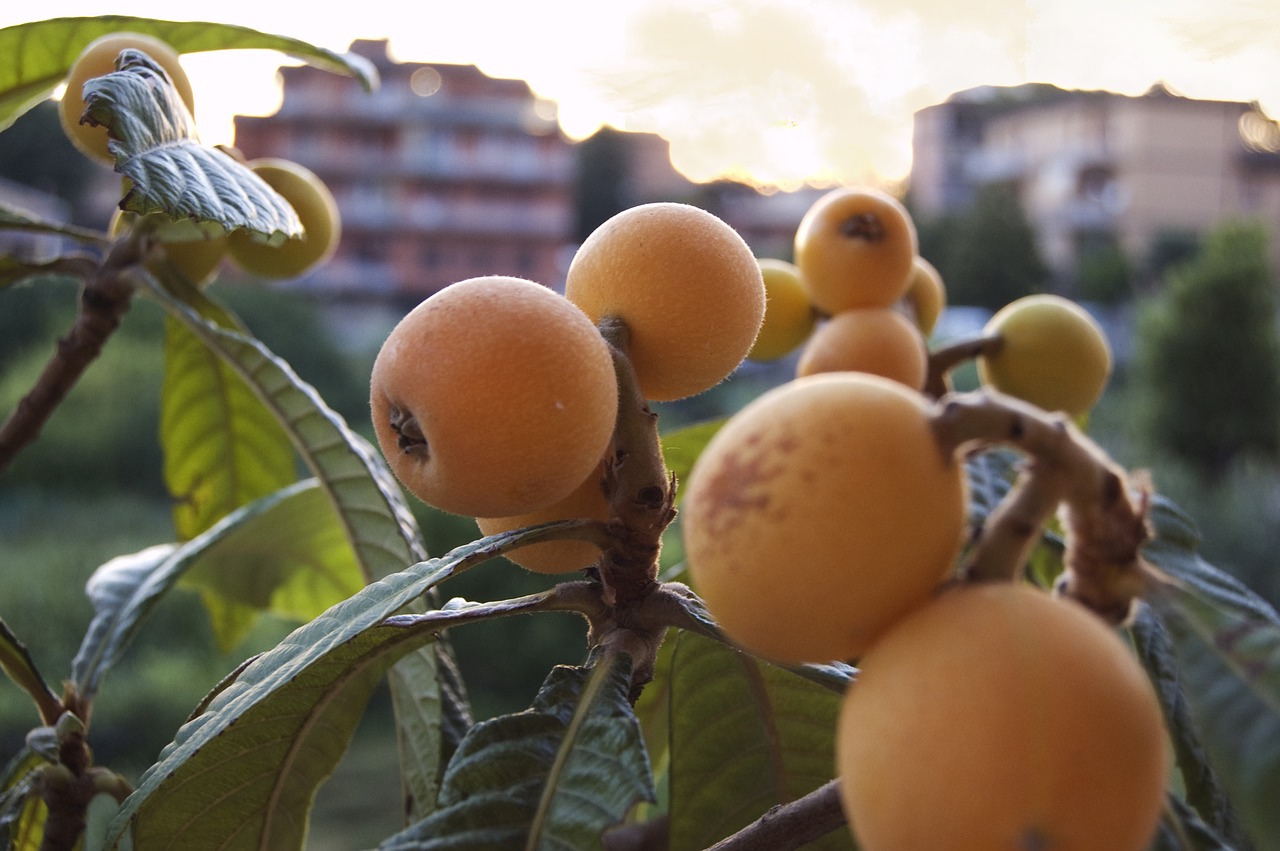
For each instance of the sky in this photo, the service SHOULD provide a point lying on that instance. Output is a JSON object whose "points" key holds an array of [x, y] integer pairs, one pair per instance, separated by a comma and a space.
{"points": [[776, 92]]}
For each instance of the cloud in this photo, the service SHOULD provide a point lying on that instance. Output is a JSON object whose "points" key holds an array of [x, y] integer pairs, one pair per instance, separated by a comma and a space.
{"points": [[826, 89]]}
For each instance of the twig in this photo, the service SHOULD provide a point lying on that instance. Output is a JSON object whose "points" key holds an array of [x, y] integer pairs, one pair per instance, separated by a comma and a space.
{"points": [[104, 299], [1103, 510], [792, 825], [937, 381]]}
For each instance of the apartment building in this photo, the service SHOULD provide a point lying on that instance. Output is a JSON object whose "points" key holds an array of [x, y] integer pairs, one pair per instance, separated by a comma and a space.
{"points": [[441, 174], [1092, 167]]}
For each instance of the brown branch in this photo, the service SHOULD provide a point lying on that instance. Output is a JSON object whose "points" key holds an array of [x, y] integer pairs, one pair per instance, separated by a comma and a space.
{"points": [[792, 825], [1103, 511], [104, 299], [641, 491], [937, 381]]}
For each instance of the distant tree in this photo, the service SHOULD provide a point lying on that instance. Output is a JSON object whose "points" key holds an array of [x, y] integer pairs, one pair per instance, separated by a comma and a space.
{"points": [[36, 153], [1209, 355], [1104, 273], [987, 254], [602, 177], [1169, 248]]}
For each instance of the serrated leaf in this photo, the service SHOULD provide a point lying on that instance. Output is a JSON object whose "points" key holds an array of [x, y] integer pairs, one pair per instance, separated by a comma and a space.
{"points": [[1173, 550], [290, 559], [153, 139], [1182, 830], [35, 57], [21, 668], [555, 776], [374, 516], [222, 447], [745, 736], [1203, 792], [267, 740], [1229, 663]]}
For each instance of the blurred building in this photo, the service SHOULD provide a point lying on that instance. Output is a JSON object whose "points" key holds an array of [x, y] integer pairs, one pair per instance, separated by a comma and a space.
{"points": [[442, 173], [1093, 168]]}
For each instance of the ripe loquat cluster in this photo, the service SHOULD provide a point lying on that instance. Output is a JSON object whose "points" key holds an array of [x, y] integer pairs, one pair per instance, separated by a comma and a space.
{"points": [[826, 521], [497, 398]]}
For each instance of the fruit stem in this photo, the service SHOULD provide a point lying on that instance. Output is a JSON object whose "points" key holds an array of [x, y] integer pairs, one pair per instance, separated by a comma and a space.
{"points": [[941, 361], [1101, 507], [641, 492]]}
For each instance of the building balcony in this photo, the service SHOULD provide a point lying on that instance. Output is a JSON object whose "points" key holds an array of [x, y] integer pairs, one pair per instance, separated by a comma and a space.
{"points": [[398, 109]]}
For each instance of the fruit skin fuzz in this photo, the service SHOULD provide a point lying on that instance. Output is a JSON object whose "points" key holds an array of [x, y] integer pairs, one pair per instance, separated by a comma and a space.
{"points": [[1013, 718], [502, 391], [820, 513], [686, 285]]}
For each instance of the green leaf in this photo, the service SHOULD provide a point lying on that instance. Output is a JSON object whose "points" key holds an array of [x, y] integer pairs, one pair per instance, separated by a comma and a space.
{"points": [[21, 668], [281, 557], [557, 775], [1203, 791], [370, 507], [268, 738], [681, 447], [18, 800], [1182, 830], [745, 736], [223, 448], [1173, 551], [14, 270], [290, 559], [834, 676], [1229, 664], [153, 139], [13, 218], [371, 510], [35, 57]]}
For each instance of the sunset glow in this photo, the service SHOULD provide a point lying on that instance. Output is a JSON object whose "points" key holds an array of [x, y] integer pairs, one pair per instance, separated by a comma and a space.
{"points": [[778, 92]]}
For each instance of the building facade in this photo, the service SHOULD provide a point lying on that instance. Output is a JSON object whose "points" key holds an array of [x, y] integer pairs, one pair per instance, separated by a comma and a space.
{"points": [[1093, 168], [441, 174]]}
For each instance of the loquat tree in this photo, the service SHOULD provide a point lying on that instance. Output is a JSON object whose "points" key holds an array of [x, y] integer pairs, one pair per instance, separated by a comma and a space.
{"points": [[905, 617]]}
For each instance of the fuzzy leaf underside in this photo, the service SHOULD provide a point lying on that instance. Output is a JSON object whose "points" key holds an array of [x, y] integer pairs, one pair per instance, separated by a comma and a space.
{"points": [[153, 139], [35, 57], [267, 739], [745, 736], [555, 776]]}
